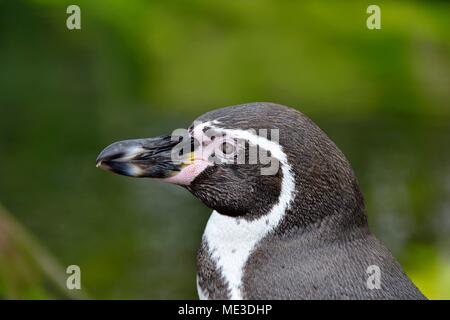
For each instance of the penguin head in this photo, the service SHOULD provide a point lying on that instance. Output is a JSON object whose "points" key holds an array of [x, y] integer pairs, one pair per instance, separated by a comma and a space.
{"points": [[243, 160]]}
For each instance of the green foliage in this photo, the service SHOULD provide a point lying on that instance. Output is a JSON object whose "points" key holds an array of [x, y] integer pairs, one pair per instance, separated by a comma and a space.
{"points": [[27, 271]]}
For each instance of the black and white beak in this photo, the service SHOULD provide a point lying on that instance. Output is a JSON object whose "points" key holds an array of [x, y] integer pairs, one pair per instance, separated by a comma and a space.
{"points": [[150, 157]]}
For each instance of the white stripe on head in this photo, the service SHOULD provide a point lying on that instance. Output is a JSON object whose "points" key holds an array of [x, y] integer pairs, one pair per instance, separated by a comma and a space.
{"points": [[231, 240]]}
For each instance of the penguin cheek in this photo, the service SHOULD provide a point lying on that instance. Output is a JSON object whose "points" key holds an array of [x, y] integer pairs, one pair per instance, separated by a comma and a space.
{"points": [[220, 188]]}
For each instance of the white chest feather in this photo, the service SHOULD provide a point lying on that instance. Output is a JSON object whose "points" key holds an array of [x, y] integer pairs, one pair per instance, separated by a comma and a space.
{"points": [[231, 241]]}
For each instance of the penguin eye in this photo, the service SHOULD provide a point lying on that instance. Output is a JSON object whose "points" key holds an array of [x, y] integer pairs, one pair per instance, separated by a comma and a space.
{"points": [[227, 148]]}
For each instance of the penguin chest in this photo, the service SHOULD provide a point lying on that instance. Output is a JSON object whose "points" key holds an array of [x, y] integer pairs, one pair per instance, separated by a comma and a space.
{"points": [[226, 247]]}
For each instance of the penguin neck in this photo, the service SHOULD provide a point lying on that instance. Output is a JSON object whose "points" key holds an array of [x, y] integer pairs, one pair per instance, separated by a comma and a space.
{"points": [[333, 213], [342, 226], [229, 241]]}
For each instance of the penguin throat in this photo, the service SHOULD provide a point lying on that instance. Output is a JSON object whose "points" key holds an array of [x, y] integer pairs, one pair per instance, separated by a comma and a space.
{"points": [[231, 240]]}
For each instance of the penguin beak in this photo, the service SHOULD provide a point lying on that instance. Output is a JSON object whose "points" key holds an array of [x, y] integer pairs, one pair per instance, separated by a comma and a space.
{"points": [[150, 157]]}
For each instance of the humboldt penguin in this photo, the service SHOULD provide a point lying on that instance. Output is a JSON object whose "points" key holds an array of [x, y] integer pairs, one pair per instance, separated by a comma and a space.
{"points": [[288, 220]]}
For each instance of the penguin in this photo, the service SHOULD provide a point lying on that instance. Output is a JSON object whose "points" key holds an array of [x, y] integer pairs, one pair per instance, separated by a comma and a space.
{"points": [[289, 218]]}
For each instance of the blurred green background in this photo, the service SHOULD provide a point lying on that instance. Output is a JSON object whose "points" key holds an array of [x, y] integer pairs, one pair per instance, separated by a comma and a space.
{"points": [[144, 68]]}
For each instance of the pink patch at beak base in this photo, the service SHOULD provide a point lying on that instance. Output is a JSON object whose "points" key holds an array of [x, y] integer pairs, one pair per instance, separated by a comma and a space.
{"points": [[188, 173]]}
